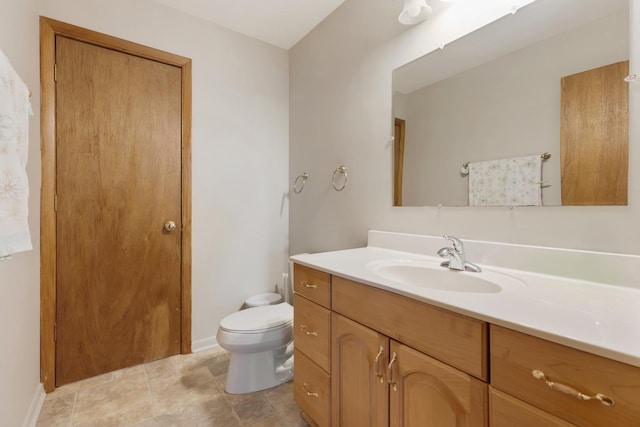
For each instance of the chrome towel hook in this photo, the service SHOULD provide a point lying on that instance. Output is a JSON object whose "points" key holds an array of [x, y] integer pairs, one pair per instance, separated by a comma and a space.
{"points": [[300, 180], [343, 170]]}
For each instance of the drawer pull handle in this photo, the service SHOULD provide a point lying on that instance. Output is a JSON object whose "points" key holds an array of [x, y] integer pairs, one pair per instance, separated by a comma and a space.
{"points": [[604, 399], [390, 378], [304, 328], [377, 365], [308, 285], [309, 393]]}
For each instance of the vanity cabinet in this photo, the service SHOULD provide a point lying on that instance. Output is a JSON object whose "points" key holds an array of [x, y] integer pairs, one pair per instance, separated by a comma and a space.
{"points": [[312, 343], [560, 373], [380, 380], [366, 356]]}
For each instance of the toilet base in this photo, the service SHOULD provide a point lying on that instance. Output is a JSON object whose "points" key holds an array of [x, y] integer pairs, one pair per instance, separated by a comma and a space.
{"points": [[249, 372]]}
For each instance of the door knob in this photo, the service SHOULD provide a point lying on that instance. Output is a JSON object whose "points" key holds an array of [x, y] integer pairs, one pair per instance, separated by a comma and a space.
{"points": [[169, 226]]}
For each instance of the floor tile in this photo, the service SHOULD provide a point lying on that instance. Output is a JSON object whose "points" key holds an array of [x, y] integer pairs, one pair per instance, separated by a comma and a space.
{"points": [[122, 401], [183, 390], [271, 420], [253, 409], [163, 368], [57, 410]]}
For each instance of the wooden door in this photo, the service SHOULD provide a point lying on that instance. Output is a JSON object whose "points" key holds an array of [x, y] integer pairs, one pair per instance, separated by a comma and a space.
{"points": [[358, 387], [429, 393], [398, 160], [118, 180], [594, 136]]}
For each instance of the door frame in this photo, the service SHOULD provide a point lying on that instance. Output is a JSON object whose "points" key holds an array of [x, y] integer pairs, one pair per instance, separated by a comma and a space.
{"points": [[49, 29], [398, 160]]}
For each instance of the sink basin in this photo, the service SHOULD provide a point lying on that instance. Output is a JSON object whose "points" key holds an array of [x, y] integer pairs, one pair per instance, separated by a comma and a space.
{"points": [[429, 274]]}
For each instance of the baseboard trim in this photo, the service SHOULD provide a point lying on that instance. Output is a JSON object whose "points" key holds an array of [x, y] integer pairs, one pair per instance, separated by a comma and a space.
{"points": [[35, 407], [204, 344]]}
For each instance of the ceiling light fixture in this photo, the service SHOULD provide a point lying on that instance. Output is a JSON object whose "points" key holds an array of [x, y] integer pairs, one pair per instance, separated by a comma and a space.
{"points": [[414, 11]]}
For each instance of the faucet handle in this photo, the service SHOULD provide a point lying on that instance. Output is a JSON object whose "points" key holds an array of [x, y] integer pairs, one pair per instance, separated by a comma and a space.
{"points": [[457, 244], [444, 252]]}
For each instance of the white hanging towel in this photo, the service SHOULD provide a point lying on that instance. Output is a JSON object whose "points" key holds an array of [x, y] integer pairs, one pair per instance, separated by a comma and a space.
{"points": [[506, 182], [15, 109]]}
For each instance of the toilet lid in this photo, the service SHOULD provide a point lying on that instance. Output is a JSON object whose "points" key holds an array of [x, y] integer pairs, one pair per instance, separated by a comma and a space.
{"points": [[258, 319]]}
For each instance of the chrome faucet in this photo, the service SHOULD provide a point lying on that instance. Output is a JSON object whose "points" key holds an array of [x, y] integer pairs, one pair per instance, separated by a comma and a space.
{"points": [[457, 259]]}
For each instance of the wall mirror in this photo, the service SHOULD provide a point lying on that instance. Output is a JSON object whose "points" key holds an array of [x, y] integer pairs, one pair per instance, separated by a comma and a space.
{"points": [[547, 79]]}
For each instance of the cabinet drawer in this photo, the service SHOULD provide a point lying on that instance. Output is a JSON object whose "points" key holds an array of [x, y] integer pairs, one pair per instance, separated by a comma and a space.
{"points": [[312, 331], [457, 340], [312, 284], [507, 411], [514, 356], [311, 389]]}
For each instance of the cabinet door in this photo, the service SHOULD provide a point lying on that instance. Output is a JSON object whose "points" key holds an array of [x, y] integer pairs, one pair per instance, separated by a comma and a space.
{"points": [[427, 393], [359, 358]]}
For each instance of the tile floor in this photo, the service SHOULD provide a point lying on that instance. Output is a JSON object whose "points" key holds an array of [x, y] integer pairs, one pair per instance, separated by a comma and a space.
{"points": [[183, 390]]}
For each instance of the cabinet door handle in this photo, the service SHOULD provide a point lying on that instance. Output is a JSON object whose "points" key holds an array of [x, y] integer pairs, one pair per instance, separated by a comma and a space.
{"points": [[309, 393], [308, 285], [377, 365], [304, 329], [563, 388], [390, 378]]}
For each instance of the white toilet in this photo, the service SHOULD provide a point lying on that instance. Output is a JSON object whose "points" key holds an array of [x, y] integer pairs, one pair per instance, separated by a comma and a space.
{"points": [[260, 340]]}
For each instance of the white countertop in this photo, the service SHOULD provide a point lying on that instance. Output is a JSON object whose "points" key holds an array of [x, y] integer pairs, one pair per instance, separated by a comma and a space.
{"points": [[594, 317]]}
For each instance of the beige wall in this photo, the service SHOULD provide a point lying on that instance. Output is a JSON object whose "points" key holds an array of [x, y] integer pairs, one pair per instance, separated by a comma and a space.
{"points": [[20, 388], [341, 105]]}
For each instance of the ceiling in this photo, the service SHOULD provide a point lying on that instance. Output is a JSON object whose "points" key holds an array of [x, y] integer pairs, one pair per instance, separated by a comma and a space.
{"points": [[283, 23], [278, 22]]}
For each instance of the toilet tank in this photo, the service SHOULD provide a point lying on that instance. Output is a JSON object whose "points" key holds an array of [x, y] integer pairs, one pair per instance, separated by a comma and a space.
{"points": [[263, 299]]}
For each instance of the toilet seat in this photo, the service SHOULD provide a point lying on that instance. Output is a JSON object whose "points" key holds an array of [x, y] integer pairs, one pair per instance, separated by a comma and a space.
{"points": [[258, 319]]}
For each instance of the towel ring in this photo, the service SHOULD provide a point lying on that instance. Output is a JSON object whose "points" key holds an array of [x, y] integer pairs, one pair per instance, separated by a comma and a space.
{"points": [[343, 170], [302, 177]]}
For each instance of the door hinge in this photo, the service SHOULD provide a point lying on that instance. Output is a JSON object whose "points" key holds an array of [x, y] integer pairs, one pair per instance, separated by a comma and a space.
{"points": [[55, 202], [55, 332], [55, 72]]}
